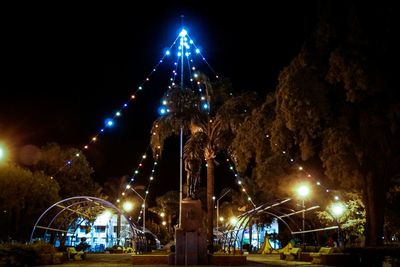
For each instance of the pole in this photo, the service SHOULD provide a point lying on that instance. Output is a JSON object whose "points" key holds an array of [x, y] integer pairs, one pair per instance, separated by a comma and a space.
{"points": [[304, 221], [144, 215], [217, 212], [181, 142]]}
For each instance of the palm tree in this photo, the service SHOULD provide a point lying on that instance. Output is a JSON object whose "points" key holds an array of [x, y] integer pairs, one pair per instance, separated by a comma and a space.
{"points": [[210, 132]]}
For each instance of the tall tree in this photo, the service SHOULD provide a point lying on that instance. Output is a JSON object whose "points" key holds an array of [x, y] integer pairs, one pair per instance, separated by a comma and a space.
{"points": [[24, 197], [337, 98], [70, 168]]}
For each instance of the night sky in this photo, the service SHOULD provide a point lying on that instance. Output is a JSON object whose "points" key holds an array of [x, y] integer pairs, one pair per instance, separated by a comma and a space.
{"points": [[66, 67]]}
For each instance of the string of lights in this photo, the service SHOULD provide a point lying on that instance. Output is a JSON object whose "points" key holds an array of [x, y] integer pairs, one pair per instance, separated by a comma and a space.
{"points": [[110, 122], [240, 182], [307, 174]]}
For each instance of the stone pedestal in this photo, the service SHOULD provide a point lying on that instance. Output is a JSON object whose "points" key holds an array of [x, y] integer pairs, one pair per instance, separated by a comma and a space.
{"points": [[190, 239]]}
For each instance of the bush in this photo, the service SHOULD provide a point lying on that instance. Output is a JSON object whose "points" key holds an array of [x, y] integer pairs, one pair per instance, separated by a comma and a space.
{"points": [[29, 254]]}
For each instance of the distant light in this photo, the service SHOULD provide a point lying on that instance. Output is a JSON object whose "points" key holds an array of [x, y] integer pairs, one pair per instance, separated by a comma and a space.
{"points": [[197, 51], [151, 178], [213, 197], [140, 88], [179, 54], [144, 156], [164, 223], [167, 52], [191, 41], [205, 106], [77, 155], [1, 152], [162, 214], [187, 54], [109, 122], [336, 198], [203, 98], [164, 102], [183, 33], [118, 114], [128, 186], [195, 75]]}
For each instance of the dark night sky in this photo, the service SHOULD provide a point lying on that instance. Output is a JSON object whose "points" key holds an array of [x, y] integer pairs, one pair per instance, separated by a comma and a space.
{"points": [[66, 67]]}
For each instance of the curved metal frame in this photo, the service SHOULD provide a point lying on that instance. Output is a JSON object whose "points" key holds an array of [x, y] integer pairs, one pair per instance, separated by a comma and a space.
{"points": [[230, 236], [80, 200]]}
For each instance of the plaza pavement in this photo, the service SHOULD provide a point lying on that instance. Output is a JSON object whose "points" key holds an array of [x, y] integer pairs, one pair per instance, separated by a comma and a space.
{"points": [[125, 260]]}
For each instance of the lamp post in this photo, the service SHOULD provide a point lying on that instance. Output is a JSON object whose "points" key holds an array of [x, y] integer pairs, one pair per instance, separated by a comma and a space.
{"points": [[218, 205], [143, 206], [337, 210], [303, 192]]}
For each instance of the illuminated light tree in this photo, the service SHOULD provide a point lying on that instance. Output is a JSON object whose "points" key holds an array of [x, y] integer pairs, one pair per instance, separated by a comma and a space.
{"points": [[211, 132]]}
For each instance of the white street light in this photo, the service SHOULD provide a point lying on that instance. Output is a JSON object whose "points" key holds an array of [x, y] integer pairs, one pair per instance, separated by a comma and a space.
{"points": [[218, 204], [143, 206], [303, 191], [127, 206]]}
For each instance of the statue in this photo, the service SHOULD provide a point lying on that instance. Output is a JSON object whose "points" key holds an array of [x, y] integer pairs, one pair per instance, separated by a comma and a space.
{"points": [[192, 168]]}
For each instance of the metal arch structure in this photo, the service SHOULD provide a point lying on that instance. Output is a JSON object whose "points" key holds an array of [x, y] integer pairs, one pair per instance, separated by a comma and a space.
{"points": [[73, 208], [231, 237]]}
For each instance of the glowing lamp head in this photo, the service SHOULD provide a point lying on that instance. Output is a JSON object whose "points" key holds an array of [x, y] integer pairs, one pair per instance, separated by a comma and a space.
{"points": [[167, 52], [205, 106], [128, 206], [1, 153], [164, 223], [197, 51], [183, 33], [303, 191], [233, 221], [337, 209], [162, 214]]}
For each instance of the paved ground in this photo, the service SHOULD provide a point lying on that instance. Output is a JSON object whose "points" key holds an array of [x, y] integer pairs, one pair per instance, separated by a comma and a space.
{"points": [[124, 260]]}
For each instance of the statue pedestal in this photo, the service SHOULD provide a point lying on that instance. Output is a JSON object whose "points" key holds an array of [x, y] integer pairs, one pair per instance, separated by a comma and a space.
{"points": [[190, 239]]}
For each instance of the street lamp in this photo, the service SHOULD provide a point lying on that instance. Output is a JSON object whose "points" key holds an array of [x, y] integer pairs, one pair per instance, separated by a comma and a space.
{"points": [[303, 191], [3, 152], [218, 218], [127, 206], [337, 210], [143, 206]]}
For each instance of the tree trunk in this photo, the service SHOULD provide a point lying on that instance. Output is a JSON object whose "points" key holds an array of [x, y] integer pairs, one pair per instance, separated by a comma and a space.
{"points": [[210, 203], [375, 207]]}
